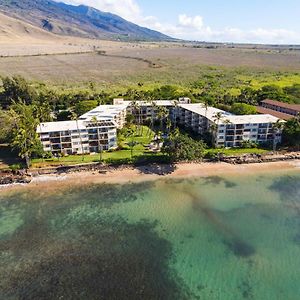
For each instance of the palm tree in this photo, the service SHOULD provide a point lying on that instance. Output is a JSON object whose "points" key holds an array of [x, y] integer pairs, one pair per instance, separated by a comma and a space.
{"points": [[277, 127], [217, 117], [95, 122], [132, 143], [213, 128], [162, 114], [74, 116], [168, 125], [137, 112], [175, 112]]}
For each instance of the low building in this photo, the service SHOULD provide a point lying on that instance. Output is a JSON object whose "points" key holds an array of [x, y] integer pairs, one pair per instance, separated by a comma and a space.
{"points": [[229, 130], [286, 108], [97, 129], [149, 110], [78, 137], [277, 114], [116, 113]]}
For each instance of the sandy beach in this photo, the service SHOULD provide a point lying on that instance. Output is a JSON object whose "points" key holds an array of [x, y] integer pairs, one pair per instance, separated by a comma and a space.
{"points": [[153, 172]]}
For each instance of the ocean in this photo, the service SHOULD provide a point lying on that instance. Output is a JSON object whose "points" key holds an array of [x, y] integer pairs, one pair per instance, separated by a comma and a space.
{"points": [[217, 237]]}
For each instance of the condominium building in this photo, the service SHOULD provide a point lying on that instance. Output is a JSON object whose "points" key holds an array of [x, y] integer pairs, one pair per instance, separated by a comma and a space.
{"points": [[78, 137], [149, 110], [276, 106], [97, 129], [227, 129]]}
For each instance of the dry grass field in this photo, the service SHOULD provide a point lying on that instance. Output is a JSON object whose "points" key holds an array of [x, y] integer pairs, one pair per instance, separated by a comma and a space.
{"points": [[68, 61], [174, 65]]}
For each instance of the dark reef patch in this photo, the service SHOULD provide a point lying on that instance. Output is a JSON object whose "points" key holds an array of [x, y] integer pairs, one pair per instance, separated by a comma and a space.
{"points": [[297, 239], [246, 290], [239, 247], [90, 256], [288, 188], [114, 260], [216, 180]]}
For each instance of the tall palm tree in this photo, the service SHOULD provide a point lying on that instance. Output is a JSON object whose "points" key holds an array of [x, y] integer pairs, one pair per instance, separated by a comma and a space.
{"points": [[137, 112], [217, 117], [175, 112], [168, 125], [213, 128], [74, 116], [277, 127], [132, 143], [94, 120], [162, 114]]}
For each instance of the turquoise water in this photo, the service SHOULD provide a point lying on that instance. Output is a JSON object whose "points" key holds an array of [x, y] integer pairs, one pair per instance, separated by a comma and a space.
{"points": [[201, 238]]}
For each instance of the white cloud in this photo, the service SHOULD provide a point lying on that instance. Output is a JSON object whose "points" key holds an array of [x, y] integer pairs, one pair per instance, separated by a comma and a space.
{"points": [[191, 27], [127, 9], [194, 28]]}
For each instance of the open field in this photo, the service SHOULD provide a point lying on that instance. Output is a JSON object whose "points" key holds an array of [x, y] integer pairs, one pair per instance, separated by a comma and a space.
{"points": [[126, 65], [70, 62]]}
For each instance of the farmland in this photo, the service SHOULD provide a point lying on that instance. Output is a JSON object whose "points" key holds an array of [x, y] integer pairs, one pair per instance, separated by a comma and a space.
{"points": [[151, 65]]}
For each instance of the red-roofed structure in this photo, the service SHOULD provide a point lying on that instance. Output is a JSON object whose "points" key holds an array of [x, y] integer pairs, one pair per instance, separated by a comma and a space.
{"points": [[286, 108]]}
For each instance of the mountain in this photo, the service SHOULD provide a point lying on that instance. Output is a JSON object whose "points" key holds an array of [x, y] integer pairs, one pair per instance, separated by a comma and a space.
{"points": [[80, 21]]}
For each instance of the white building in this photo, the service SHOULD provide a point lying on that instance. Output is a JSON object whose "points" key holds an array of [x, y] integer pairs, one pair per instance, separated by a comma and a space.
{"points": [[229, 130], [97, 129]]}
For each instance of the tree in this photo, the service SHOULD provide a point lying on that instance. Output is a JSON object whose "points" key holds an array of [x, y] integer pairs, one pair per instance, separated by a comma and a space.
{"points": [[243, 109], [16, 89], [64, 115], [277, 128], [131, 133], [24, 136], [248, 96], [95, 123], [175, 112], [84, 106], [74, 116], [291, 132], [273, 92], [181, 147], [162, 114]]}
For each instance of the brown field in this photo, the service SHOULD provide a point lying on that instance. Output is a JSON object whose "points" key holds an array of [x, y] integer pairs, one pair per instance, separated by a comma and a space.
{"points": [[39, 55], [172, 64]]}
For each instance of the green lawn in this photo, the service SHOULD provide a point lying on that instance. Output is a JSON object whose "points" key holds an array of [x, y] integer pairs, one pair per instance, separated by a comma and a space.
{"points": [[140, 153], [142, 138], [239, 151]]}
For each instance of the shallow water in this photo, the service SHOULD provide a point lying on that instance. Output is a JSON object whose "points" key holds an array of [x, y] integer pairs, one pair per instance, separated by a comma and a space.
{"points": [[202, 238]]}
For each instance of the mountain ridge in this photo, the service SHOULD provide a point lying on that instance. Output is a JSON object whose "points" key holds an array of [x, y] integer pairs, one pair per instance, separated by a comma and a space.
{"points": [[80, 21]]}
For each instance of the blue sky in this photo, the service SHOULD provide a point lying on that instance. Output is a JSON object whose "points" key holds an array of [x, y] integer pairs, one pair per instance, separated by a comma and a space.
{"points": [[258, 21]]}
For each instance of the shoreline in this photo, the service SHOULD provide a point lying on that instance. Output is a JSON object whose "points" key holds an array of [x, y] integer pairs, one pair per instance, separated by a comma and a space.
{"points": [[151, 173]]}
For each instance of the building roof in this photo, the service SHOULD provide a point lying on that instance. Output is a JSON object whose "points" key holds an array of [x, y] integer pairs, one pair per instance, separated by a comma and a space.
{"points": [[209, 112], [249, 119], [107, 112], [282, 104], [60, 126], [71, 125], [150, 103], [277, 114]]}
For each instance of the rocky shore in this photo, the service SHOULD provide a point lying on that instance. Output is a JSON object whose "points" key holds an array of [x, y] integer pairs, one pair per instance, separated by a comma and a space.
{"points": [[22, 176], [11, 177], [258, 158]]}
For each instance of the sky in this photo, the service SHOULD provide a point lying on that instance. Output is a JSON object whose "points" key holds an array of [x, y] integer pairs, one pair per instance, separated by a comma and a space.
{"points": [[242, 21]]}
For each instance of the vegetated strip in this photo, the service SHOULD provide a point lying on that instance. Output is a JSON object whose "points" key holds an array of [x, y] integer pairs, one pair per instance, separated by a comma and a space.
{"points": [[47, 54], [150, 63]]}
